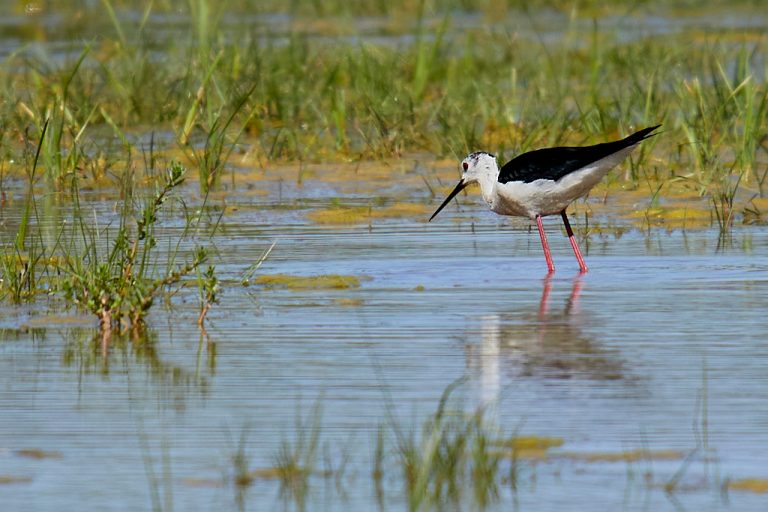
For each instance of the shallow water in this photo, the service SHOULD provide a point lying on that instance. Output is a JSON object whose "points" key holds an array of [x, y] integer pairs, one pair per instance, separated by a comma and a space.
{"points": [[662, 345]]}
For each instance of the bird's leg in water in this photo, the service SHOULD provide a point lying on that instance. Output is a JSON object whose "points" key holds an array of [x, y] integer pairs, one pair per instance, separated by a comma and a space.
{"points": [[574, 244], [545, 245]]}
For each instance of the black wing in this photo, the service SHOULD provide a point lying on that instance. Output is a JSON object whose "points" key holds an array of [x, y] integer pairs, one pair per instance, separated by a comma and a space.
{"points": [[554, 163]]}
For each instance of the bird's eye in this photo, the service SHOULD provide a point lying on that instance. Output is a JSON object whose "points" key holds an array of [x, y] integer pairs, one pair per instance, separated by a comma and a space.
{"points": [[465, 165]]}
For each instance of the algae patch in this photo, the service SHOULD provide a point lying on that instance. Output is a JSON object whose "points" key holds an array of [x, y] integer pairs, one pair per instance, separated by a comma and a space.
{"points": [[530, 447], [266, 474], [10, 479], [349, 303], [625, 456], [202, 482], [34, 453], [756, 485], [323, 282], [674, 216], [365, 214]]}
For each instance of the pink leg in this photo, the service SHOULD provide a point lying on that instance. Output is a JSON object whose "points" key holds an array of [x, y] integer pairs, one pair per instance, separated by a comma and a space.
{"points": [[545, 245], [574, 244]]}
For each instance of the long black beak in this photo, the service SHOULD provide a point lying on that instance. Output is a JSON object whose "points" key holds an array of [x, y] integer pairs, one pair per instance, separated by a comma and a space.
{"points": [[458, 189]]}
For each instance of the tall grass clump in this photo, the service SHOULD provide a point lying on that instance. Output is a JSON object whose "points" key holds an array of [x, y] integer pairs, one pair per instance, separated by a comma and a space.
{"points": [[120, 282], [23, 260], [723, 117], [454, 453]]}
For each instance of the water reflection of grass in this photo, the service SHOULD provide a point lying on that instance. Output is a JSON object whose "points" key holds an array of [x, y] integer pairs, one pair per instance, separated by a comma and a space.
{"points": [[453, 460], [86, 351]]}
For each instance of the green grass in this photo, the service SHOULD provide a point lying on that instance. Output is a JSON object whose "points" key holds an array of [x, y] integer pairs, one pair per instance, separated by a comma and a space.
{"points": [[451, 461], [447, 90], [119, 284]]}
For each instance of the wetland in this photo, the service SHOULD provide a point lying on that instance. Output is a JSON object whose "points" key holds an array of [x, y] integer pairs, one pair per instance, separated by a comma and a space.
{"points": [[219, 291]]}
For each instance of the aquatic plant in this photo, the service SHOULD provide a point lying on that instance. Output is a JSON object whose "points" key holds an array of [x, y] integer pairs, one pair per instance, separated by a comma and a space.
{"points": [[208, 286], [21, 260], [120, 285], [296, 460], [215, 152], [328, 281], [453, 453]]}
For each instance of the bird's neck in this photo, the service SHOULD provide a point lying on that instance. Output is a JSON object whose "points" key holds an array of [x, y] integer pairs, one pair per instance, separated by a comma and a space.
{"points": [[487, 181]]}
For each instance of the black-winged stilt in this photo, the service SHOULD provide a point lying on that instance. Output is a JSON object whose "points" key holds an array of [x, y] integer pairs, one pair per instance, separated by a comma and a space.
{"points": [[544, 182]]}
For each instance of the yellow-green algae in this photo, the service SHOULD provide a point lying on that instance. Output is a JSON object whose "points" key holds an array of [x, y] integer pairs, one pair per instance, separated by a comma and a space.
{"points": [[10, 479], [265, 474], [625, 456], [202, 482], [275, 473], [364, 214], [688, 216], [348, 302], [756, 485], [327, 281], [530, 447], [34, 453]]}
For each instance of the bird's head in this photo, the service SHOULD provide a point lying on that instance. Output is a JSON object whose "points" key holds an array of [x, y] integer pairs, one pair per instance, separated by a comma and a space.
{"points": [[474, 167]]}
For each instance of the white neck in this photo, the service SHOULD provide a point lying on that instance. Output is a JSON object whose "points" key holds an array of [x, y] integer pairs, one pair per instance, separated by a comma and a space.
{"points": [[487, 177]]}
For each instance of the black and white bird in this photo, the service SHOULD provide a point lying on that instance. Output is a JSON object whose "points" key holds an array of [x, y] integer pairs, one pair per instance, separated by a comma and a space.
{"points": [[544, 182]]}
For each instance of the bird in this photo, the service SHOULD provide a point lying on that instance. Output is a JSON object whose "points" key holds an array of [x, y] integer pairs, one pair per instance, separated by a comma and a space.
{"points": [[544, 182]]}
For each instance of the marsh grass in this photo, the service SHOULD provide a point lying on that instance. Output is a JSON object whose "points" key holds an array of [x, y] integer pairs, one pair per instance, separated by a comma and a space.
{"points": [[160, 482], [295, 462], [211, 158], [22, 261], [453, 454], [120, 284], [116, 273], [445, 88]]}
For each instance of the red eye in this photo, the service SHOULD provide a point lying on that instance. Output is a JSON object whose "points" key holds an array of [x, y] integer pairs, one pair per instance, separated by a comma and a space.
{"points": [[464, 165]]}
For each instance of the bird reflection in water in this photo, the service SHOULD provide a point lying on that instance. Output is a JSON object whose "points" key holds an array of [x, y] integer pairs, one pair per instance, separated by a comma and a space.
{"points": [[537, 343]]}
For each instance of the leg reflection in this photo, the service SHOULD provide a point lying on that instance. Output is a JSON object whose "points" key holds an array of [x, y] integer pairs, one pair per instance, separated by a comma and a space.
{"points": [[545, 296], [489, 382]]}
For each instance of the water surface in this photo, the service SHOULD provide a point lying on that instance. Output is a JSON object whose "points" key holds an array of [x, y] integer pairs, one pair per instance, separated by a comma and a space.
{"points": [[661, 345]]}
